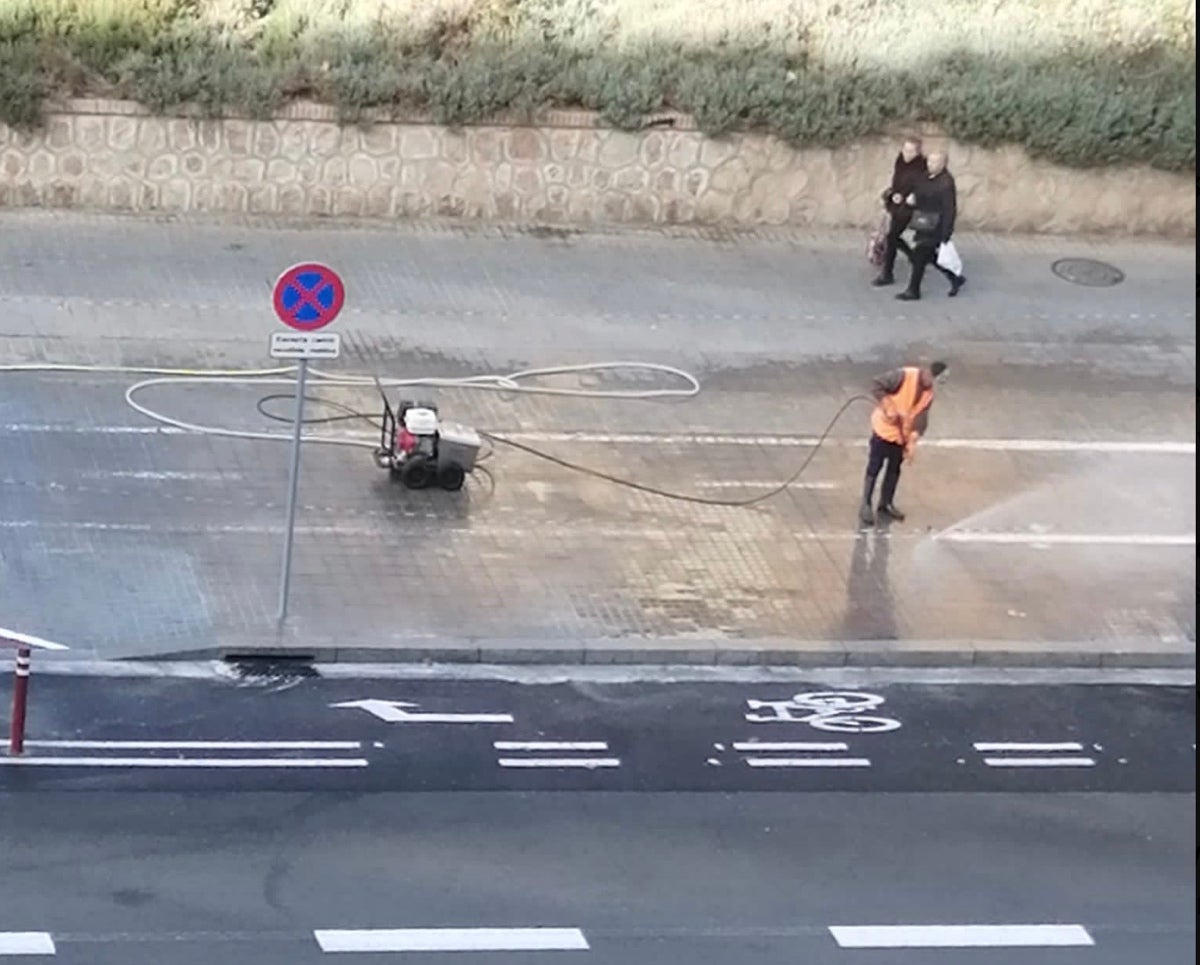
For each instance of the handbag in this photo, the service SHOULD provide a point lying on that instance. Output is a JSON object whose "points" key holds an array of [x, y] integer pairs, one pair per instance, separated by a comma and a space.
{"points": [[925, 222], [877, 242]]}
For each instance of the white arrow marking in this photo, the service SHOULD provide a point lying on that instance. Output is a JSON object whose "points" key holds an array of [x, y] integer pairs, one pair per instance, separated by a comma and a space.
{"points": [[393, 711]]}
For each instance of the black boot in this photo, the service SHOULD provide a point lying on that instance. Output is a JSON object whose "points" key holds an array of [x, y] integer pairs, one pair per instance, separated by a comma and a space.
{"points": [[891, 512], [866, 515], [883, 279], [956, 284], [908, 296]]}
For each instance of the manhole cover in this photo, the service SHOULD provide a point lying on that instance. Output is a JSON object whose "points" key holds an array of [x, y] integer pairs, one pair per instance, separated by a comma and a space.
{"points": [[1086, 271]]}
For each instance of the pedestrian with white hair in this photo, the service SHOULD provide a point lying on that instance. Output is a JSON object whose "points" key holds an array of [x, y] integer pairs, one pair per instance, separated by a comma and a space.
{"points": [[935, 208]]}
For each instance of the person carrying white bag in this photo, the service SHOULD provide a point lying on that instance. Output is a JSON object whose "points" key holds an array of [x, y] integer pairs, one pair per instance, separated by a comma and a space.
{"points": [[936, 207]]}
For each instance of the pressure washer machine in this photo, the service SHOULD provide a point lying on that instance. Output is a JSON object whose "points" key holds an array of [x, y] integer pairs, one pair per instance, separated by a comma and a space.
{"points": [[420, 450]]}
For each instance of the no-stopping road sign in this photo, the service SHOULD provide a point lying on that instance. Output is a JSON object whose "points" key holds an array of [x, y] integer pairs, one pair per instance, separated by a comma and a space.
{"points": [[308, 296]]}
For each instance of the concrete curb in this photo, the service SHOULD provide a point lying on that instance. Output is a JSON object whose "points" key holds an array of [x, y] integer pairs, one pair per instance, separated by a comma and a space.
{"points": [[734, 653]]}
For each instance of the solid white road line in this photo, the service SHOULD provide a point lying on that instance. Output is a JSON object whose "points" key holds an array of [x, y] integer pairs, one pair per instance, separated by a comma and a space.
{"points": [[451, 940], [808, 761], [958, 936], [1151, 447], [166, 475], [244, 762], [200, 745], [26, 943], [789, 746], [1067, 539], [28, 640], [1019, 746], [589, 763], [735, 439], [550, 745], [761, 484], [605, 532], [82, 429], [1039, 762]]}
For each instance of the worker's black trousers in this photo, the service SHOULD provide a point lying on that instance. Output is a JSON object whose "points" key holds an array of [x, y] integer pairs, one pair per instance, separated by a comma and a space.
{"points": [[882, 453]]}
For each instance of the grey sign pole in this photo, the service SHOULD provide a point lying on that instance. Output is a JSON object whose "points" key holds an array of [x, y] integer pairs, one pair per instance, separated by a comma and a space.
{"points": [[293, 482]]}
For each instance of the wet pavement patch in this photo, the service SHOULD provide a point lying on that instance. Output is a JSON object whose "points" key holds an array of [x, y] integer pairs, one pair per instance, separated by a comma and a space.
{"points": [[1088, 271]]}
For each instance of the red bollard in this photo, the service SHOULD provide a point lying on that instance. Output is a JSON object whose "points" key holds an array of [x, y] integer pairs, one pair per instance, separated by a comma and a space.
{"points": [[16, 739]]}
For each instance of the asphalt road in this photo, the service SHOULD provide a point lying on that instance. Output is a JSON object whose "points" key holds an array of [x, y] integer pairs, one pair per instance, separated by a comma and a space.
{"points": [[289, 732], [182, 821], [124, 878]]}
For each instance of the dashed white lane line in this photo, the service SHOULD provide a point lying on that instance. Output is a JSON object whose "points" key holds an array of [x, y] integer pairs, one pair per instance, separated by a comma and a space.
{"points": [[811, 747], [26, 943], [829, 746], [586, 763], [1039, 762], [451, 940], [126, 745], [959, 936], [576, 747], [1033, 747], [808, 761], [196, 762], [993, 746]]}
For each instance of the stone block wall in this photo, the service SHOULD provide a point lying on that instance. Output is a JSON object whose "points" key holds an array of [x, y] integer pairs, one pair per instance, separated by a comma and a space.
{"points": [[566, 169]]}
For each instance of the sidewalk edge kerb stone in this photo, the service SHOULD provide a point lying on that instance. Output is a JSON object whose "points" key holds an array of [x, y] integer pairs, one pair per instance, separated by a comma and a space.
{"points": [[815, 654]]}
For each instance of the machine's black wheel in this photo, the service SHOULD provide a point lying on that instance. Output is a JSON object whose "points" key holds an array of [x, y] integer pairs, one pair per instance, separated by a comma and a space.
{"points": [[451, 478], [417, 472]]}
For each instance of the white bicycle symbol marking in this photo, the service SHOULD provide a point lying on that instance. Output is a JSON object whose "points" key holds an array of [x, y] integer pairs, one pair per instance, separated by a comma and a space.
{"points": [[836, 711]]}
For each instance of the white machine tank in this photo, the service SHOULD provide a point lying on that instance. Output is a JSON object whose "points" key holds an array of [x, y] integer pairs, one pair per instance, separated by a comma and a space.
{"points": [[421, 422]]}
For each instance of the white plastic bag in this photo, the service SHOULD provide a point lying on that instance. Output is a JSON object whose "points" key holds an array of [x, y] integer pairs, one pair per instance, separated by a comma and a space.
{"points": [[948, 258]]}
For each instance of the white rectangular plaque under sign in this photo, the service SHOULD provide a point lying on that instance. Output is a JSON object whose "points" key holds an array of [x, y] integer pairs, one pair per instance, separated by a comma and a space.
{"points": [[305, 345]]}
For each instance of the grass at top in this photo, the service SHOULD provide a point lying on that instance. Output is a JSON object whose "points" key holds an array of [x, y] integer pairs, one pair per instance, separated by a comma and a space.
{"points": [[1081, 82]]}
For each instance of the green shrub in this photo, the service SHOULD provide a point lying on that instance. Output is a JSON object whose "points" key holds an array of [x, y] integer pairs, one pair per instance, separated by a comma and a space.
{"points": [[1080, 82], [22, 86]]}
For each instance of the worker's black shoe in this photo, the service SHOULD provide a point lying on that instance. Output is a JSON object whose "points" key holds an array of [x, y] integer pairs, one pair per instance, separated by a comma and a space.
{"points": [[957, 284], [907, 296], [865, 515], [884, 278], [891, 512]]}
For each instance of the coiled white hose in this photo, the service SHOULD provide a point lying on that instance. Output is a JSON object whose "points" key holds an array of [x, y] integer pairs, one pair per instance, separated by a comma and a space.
{"points": [[517, 383]]}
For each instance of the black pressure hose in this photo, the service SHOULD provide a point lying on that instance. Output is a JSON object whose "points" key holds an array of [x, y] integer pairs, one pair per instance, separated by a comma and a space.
{"points": [[347, 413]]}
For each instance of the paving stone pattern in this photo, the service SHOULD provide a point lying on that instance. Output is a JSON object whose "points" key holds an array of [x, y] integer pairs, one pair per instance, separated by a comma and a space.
{"points": [[133, 543]]}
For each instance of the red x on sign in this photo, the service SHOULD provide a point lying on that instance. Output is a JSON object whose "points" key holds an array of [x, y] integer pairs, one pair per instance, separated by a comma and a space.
{"points": [[308, 296]]}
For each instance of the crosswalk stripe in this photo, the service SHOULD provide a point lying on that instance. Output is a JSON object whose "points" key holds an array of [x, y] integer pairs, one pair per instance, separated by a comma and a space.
{"points": [[26, 943], [451, 940], [959, 936]]}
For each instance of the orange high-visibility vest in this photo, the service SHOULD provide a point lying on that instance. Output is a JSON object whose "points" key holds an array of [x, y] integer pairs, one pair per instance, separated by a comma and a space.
{"points": [[909, 401]]}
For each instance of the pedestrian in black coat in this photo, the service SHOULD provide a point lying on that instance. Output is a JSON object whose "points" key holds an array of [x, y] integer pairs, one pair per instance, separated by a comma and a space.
{"points": [[935, 207], [908, 172]]}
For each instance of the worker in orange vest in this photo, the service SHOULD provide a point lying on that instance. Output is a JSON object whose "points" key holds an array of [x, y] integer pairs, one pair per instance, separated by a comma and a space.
{"points": [[902, 400]]}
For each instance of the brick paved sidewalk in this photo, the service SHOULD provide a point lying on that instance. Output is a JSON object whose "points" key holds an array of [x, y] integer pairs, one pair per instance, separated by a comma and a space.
{"points": [[1074, 551]]}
